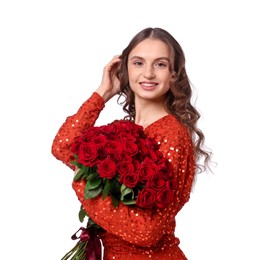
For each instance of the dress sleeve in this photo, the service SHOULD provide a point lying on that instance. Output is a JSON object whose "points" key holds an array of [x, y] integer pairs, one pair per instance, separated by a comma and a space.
{"points": [[84, 118], [145, 227]]}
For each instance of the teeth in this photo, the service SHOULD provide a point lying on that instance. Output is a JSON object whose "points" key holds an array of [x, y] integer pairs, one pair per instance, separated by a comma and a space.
{"points": [[148, 84]]}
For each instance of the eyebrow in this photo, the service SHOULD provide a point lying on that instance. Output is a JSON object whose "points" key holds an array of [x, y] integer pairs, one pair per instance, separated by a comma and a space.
{"points": [[160, 58]]}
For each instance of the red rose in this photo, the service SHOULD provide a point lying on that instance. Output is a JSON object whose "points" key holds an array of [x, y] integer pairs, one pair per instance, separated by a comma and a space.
{"points": [[107, 168], [113, 148], [164, 197], [87, 154], [165, 168], [107, 130], [130, 179], [100, 140], [129, 128], [152, 155], [135, 130], [146, 198], [156, 181], [125, 137], [75, 147], [151, 144], [146, 170], [90, 134], [125, 167], [125, 157], [143, 150], [130, 148]]}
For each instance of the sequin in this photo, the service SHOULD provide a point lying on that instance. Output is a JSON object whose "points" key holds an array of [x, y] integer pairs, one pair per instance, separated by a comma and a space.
{"points": [[134, 233]]}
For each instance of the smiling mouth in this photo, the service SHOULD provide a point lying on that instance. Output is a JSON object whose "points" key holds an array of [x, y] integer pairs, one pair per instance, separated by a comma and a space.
{"points": [[146, 85]]}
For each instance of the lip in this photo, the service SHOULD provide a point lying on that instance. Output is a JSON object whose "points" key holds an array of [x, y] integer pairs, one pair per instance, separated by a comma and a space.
{"points": [[148, 85]]}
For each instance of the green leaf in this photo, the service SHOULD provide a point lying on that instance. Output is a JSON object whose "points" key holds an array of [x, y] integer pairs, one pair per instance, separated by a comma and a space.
{"points": [[77, 164], [115, 200], [93, 183], [123, 187], [89, 194], [126, 191], [115, 186], [129, 202], [82, 214], [93, 170], [92, 175], [79, 174], [85, 168], [95, 175], [106, 188]]}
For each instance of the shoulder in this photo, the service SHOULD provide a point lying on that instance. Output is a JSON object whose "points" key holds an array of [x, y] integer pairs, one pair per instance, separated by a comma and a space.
{"points": [[170, 129], [176, 132], [172, 125]]}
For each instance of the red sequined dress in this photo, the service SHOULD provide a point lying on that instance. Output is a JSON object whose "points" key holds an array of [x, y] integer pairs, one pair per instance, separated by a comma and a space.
{"points": [[132, 232]]}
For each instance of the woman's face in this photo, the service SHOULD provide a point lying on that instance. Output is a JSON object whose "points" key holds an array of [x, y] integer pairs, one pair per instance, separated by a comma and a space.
{"points": [[148, 70]]}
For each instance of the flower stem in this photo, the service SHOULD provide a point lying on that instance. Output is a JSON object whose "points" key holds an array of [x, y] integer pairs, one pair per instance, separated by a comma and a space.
{"points": [[77, 252]]}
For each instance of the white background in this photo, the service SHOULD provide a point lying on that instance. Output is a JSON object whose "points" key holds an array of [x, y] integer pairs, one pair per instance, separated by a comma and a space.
{"points": [[51, 58]]}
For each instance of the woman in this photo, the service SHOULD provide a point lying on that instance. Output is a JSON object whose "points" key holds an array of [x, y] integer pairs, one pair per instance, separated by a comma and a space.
{"points": [[150, 73]]}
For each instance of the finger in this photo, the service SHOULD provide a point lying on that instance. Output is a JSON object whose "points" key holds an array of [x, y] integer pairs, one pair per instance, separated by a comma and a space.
{"points": [[112, 63], [115, 59]]}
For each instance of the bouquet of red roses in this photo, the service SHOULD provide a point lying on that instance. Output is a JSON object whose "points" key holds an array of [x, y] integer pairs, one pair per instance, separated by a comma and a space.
{"points": [[121, 161]]}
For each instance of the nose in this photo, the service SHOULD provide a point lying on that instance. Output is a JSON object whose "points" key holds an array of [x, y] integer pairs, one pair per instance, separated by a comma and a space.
{"points": [[149, 72]]}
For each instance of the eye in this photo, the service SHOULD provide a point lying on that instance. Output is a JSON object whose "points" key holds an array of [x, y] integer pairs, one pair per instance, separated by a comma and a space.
{"points": [[161, 64], [138, 63]]}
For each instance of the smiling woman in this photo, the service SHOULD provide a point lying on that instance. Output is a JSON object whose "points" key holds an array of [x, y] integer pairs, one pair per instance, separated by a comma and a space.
{"points": [[150, 74]]}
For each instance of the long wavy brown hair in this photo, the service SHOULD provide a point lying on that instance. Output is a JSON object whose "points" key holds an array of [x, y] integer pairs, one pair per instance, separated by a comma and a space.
{"points": [[178, 101]]}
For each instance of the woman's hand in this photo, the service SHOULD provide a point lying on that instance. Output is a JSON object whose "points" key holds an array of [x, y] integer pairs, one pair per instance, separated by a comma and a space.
{"points": [[110, 85]]}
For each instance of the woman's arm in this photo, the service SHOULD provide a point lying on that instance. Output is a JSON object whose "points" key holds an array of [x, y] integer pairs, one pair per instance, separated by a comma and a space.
{"points": [[87, 114], [84, 118]]}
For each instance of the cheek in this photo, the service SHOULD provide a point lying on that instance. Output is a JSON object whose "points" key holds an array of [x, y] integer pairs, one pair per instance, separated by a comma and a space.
{"points": [[167, 78], [133, 76], [132, 71]]}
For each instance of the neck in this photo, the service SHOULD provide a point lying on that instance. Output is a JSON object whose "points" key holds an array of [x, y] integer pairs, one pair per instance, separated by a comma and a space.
{"points": [[147, 112]]}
